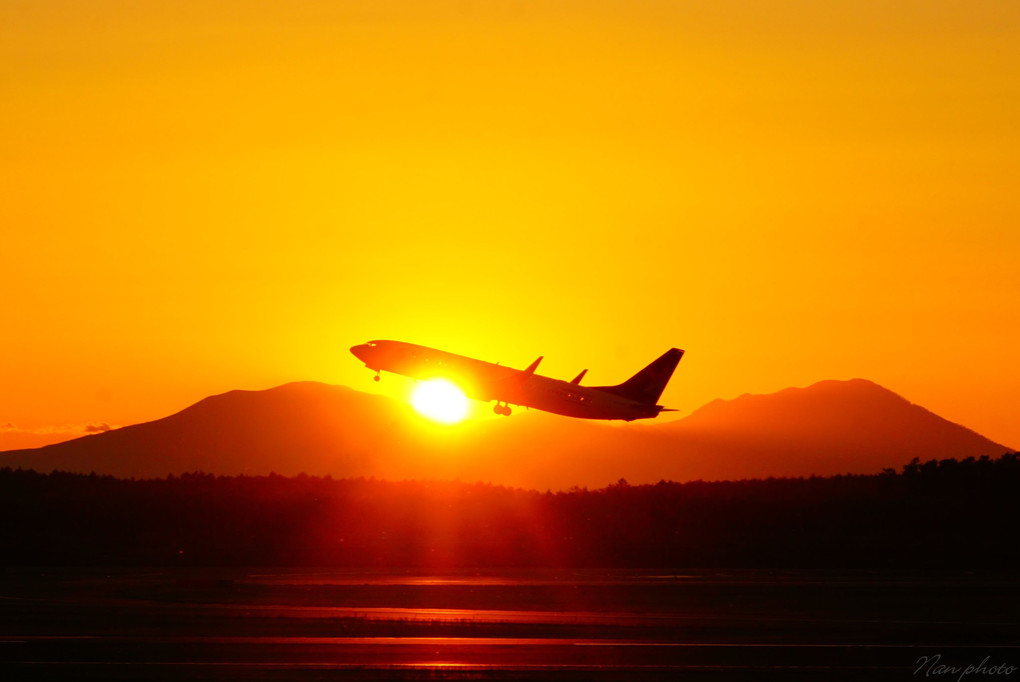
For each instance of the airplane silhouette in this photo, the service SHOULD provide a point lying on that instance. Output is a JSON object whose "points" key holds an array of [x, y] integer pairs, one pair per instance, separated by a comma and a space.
{"points": [[635, 398]]}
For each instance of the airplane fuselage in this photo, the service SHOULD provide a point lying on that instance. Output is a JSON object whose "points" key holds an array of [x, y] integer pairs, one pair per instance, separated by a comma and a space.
{"points": [[487, 381]]}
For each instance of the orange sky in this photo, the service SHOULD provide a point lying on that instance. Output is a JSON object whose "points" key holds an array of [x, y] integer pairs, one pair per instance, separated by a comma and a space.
{"points": [[203, 196]]}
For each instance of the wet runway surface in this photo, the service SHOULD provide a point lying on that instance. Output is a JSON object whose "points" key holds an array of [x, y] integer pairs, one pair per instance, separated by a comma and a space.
{"points": [[301, 625]]}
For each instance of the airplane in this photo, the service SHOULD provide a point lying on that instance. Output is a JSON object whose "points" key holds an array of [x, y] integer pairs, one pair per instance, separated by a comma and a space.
{"points": [[635, 398]]}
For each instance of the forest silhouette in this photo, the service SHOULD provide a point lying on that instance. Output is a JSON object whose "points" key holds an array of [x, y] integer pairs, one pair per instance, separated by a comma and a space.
{"points": [[939, 513]]}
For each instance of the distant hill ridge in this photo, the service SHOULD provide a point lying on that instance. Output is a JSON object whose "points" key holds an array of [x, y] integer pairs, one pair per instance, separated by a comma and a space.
{"points": [[843, 423], [830, 427]]}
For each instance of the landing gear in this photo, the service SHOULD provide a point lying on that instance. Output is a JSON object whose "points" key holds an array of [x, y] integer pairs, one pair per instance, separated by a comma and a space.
{"points": [[376, 377], [502, 409]]}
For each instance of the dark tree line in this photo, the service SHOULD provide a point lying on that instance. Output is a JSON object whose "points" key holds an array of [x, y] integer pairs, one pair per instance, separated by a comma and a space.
{"points": [[944, 513]]}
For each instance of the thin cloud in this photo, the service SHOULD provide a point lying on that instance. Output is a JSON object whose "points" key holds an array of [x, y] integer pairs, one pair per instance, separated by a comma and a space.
{"points": [[98, 428], [58, 429]]}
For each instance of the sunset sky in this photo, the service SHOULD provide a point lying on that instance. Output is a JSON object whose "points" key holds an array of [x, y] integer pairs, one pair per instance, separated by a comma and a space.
{"points": [[206, 196]]}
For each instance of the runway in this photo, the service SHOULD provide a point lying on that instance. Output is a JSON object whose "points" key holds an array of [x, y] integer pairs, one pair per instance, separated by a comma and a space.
{"points": [[172, 625]]}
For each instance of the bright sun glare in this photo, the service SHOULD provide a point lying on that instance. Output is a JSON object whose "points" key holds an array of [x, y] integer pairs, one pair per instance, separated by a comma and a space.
{"points": [[440, 400]]}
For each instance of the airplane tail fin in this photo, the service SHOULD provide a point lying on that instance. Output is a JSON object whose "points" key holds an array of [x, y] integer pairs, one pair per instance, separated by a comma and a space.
{"points": [[647, 385]]}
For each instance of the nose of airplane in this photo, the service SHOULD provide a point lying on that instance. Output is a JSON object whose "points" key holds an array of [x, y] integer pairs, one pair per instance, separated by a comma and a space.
{"points": [[359, 350]]}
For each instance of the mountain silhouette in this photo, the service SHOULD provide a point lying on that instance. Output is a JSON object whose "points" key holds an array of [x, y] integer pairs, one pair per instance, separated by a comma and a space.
{"points": [[829, 428]]}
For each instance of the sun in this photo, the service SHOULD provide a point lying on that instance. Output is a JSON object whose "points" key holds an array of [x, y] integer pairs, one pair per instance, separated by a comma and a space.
{"points": [[440, 400]]}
